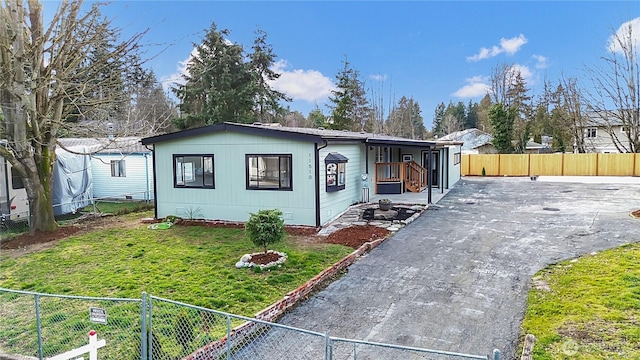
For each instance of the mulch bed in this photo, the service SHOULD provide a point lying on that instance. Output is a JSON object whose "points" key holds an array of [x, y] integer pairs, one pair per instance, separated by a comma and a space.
{"points": [[355, 236], [636, 213], [38, 237]]}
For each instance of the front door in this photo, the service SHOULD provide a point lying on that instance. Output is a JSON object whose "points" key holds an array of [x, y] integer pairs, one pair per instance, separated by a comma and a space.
{"points": [[432, 166]]}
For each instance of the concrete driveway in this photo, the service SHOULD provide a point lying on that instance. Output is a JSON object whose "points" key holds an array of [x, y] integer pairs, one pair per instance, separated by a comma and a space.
{"points": [[457, 278]]}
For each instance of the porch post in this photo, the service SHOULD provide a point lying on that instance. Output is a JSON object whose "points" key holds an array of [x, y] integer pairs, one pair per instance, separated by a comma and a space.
{"points": [[430, 159]]}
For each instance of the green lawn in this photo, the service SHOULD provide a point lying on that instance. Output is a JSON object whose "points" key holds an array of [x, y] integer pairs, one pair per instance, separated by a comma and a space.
{"points": [[190, 264], [591, 309]]}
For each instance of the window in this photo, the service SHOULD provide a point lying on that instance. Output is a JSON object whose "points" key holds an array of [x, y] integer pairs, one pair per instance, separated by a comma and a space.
{"points": [[269, 172], [625, 130], [118, 168], [591, 132], [16, 180], [456, 158], [336, 167], [193, 171]]}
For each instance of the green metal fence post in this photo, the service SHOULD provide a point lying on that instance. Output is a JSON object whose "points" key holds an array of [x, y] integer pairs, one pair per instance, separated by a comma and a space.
{"points": [[38, 327], [143, 344]]}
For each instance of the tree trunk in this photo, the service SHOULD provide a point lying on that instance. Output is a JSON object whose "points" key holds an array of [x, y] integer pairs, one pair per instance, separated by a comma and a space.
{"points": [[40, 192]]}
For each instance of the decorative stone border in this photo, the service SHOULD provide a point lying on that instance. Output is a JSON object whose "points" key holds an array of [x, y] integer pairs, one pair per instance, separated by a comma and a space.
{"points": [[245, 260]]}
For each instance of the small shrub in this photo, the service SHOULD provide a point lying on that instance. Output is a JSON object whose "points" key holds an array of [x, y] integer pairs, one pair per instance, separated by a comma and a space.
{"points": [[265, 227], [484, 172]]}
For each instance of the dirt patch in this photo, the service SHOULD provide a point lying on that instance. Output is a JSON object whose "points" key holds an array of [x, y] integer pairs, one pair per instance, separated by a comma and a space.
{"points": [[355, 236], [28, 243]]}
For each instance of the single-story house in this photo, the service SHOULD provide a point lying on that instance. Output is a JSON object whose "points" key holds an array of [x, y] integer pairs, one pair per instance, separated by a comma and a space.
{"points": [[121, 168], [474, 141], [227, 171]]}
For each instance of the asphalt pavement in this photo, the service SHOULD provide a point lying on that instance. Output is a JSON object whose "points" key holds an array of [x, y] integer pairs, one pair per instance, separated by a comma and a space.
{"points": [[457, 278]]}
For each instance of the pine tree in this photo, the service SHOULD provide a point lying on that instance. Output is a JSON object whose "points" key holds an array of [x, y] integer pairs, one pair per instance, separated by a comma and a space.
{"points": [[267, 100], [502, 120], [438, 119], [349, 105]]}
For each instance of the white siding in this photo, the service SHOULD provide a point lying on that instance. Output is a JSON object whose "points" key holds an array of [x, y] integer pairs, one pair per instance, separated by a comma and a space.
{"points": [[138, 182]]}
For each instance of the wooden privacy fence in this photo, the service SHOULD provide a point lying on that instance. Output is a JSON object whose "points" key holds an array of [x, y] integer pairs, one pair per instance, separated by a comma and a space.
{"points": [[551, 164]]}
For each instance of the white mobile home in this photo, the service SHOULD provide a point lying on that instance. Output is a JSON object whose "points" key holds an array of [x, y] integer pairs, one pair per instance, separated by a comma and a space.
{"points": [[120, 167]]}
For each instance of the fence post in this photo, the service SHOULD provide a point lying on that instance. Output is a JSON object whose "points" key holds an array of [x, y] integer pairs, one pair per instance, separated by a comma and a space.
{"points": [[143, 336], [327, 341], [38, 325], [228, 337], [150, 327], [496, 354]]}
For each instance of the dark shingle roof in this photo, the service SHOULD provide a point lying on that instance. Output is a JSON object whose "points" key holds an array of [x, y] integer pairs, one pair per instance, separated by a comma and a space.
{"points": [[293, 133]]}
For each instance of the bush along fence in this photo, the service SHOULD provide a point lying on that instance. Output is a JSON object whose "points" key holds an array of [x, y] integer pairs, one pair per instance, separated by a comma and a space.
{"points": [[593, 164], [41, 326]]}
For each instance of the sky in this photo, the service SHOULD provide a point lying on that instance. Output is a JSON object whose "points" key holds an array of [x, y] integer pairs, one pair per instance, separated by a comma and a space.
{"points": [[433, 51]]}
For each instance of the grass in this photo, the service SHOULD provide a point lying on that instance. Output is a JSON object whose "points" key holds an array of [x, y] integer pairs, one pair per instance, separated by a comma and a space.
{"points": [[190, 264], [591, 309]]}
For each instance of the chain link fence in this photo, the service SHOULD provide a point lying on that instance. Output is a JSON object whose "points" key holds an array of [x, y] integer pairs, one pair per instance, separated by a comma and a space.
{"points": [[41, 325], [38, 326]]}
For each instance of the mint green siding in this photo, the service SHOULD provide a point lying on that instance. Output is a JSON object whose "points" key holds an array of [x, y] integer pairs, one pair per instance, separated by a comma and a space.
{"points": [[230, 200], [454, 169], [332, 204]]}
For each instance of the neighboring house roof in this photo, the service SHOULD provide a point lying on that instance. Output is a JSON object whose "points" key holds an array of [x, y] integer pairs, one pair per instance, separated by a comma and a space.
{"points": [[301, 134], [471, 138], [532, 145], [123, 145], [603, 119]]}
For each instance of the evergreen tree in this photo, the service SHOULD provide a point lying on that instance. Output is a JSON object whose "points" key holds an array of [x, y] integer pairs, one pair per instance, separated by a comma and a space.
{"points": [[471, 120], [267, 100], [483, 114], [438, 119], [502, 120], [349, 105], [316, 118], [221, 86]]}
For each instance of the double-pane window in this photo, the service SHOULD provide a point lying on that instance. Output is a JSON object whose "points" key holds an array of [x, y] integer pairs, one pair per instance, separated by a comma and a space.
{"points": [[193, 171], [269, 172]]}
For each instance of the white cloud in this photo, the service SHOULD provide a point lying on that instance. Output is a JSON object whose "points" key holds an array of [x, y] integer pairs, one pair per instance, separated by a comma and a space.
{"points": [[308, 85], [524, 71], [477, 86], [508, 46], [170, 81], [513, 45], [541, 61], [622, 34]]}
